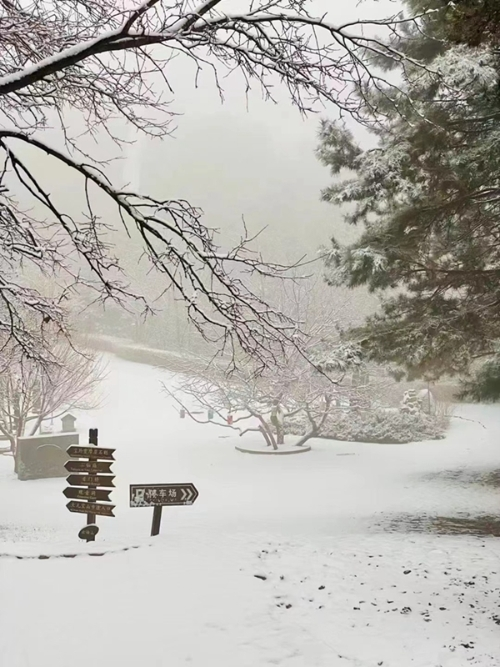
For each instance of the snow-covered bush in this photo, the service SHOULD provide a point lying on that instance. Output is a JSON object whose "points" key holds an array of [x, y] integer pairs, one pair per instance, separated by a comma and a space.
{"points": [[377, 426]]}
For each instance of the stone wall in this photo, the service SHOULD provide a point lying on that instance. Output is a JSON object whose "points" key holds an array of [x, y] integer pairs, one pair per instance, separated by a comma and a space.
{"points": [[43, 456]]}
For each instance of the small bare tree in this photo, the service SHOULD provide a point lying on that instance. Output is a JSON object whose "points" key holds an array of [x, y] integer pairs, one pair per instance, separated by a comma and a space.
{"points": [[32, 392], [313, 380], [230, 401], [109, 60], [251, 400]]}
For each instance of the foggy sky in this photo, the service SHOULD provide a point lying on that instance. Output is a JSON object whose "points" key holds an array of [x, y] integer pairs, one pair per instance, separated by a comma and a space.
{"points": [[247, 156], [243, 157]]}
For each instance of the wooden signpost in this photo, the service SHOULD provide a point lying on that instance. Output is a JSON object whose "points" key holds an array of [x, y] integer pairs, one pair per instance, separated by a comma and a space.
{"points": [[95, 472], [84, 507], [89, 466], [87, 494], [100, 452], [90, 480], [159, 495]]}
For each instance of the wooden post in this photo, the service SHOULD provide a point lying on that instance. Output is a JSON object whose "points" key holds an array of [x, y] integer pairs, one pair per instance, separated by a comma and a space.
{"points": [[155, 527], [91, 518]]}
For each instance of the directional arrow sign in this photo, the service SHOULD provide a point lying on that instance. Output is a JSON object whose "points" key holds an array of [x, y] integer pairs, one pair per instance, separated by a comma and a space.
{"points": [[154, 495], [90, 508], [87, 494], [90, 480], [91, 452], [88, 466]]}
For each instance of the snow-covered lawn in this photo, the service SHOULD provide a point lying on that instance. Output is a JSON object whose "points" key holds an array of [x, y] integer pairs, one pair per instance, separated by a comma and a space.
{"points": [[300, 561]]}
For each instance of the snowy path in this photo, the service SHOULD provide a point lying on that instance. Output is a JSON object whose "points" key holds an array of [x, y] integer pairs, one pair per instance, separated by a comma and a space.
{"points": [[280, 562]]}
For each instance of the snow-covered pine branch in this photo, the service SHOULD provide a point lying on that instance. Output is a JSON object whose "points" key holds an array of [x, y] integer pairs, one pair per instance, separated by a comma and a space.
{"points": [[428, 199]]}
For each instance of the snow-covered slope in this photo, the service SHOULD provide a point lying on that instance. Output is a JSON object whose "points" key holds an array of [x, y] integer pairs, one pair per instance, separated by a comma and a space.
{"points": [[302, 561]]}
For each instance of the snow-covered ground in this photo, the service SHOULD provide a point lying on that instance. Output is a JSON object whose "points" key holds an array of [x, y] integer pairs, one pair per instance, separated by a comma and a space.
{"points": [[319, 559]]}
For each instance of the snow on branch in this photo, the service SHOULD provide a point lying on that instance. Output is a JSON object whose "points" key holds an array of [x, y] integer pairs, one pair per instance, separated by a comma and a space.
{"points": [[31, 393], [214, 283], [319, 378], [108, 60], [75, 52]]}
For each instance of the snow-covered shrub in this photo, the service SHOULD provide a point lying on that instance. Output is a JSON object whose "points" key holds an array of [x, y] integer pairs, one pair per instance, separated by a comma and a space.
{"points": [[411, 404], [377, 426]]}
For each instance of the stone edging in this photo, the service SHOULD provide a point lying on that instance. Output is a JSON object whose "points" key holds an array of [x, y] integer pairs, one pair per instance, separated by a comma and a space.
{"points": [[273, 452], [70, 555]]}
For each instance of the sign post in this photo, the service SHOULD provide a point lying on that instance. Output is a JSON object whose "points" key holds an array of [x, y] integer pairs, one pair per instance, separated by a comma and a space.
{"points": [[93, 468], [91, 518], [159, 495], [155, 526]]}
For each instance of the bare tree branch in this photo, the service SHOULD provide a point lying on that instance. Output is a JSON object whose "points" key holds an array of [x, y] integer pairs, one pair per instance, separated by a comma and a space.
{"points": [[273, 395], [109, 60], [32, 392]]}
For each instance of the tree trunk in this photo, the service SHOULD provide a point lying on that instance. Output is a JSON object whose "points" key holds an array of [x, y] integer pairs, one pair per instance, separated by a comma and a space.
{"points": [[267, 433], [38, 423], [13, 449], [306, 437], [315, 427]]}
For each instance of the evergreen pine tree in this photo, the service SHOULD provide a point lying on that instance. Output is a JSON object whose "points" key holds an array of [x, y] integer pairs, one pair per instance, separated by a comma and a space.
{"points": [[428, 198]]}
